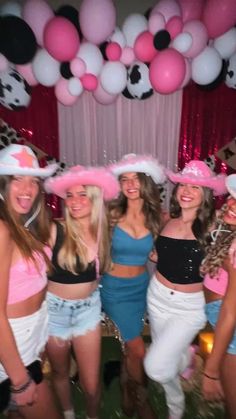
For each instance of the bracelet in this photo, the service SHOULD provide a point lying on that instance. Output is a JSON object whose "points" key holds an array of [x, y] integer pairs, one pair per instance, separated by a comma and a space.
{"points": [[23, 387], [210, 377]]}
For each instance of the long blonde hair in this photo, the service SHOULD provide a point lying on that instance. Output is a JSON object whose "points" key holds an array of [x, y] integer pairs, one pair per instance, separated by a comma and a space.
{"points": [[73, 254]]}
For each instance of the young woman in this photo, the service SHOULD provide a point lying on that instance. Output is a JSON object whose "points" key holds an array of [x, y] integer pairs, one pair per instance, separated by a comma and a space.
{"points": [[80, 253], [24, 232], [175, 296], [220, 291], [135, 221]]}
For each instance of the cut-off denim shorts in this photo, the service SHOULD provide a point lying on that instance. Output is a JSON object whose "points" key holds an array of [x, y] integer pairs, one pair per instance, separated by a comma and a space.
{"points": [[72, 318], [212, 311]]}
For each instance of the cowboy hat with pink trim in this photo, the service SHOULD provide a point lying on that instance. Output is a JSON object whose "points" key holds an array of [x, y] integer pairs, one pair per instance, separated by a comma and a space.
{"points": [[196, 172], [139, 164], [231, 185], [18, 159], [86, 176]]}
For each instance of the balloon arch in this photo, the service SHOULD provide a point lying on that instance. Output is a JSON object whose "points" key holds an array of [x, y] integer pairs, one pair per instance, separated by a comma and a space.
{"points": [[76, 50]]}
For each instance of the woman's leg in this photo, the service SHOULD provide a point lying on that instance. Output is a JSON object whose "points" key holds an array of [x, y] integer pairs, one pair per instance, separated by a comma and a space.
{"points": [[87, 350], [44, 407], [229, 384], [58, 351]]}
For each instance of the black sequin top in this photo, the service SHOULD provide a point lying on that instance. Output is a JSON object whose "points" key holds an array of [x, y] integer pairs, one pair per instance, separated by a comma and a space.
{"points": [[179, 259]]}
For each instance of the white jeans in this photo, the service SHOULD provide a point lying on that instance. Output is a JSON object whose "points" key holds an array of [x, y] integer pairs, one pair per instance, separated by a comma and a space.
{"points": [[175, 319]]}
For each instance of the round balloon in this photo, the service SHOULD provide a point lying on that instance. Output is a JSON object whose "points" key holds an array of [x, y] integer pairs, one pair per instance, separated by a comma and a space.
{"points": [[37, 13], [226, 43], [97, 19], [219, 16], [92, 57], [15, 91], [206, 66], [133, 25], [103, 97], [17, 40], [167, 71], [10, 8], [113, 77], [138, 83], [45, 68]]}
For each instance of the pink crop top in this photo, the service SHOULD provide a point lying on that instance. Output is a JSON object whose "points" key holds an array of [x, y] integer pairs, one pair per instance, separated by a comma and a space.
{"points": [[25, 279], [218, 283]]}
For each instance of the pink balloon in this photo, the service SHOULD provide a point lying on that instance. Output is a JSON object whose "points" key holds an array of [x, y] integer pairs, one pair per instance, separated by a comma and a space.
{"points": [[113, 51], [89, 82], [77, 67], [103, 97], [191, 9], [219, 16], [62, 93], [127, 56], [97, 19], [61, 39], [27, 72], [156, 23], [167, 71], [167, 8], [4, 64], [174, 26], [200, 37], [144, 48], [37, 14]]}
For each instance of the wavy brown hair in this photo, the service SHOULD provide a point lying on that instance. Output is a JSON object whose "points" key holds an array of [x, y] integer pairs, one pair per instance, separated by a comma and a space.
{"points": [[218, 250], [36, 236], [150, 194], [205, 214]]}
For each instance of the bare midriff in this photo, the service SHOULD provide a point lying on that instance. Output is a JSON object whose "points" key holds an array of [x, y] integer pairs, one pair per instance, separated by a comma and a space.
{"points": [[26, 307], [211, 296], [126, 271], [179, 287], [72, 291]]}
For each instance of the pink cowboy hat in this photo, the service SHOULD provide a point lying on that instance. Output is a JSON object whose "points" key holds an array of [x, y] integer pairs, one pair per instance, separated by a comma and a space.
{"points": [[231, 185], [196, 172], [140, 164], [86, 176]]}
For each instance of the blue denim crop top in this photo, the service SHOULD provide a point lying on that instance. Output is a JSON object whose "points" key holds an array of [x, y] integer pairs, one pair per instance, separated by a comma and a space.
{"points": [[127, 250]]}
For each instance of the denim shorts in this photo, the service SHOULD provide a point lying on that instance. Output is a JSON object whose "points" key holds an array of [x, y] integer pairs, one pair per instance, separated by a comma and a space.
{"points": [[71, 318], [212, 311]]}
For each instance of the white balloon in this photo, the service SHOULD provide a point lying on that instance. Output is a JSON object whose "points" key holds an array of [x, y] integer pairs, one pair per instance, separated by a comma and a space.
{"points": [[92, 57], [45, 68], [182, 42], [113, 77], [75, 86], [12, 8], [133, 25], [118, 37], [230, 79], [226, 43], [206, 67]]}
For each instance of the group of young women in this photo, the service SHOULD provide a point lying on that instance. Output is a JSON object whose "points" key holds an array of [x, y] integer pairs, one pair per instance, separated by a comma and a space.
{"points": [[56, 276]]}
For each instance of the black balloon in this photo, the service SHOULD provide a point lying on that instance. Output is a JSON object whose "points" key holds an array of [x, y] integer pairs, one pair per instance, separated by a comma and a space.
{"points": [[72, 14], [17, 40], [161, 40], [102, 48], [65, 70]]}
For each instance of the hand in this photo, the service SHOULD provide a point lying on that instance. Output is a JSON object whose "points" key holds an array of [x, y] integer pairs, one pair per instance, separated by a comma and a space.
{"points": [[153, 256], [232, 253], [27, 397], [212, 389]]}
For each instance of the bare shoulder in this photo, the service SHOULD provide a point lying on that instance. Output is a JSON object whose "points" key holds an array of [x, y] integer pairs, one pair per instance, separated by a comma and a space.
{"points": [[53, 231], [4, 233]]}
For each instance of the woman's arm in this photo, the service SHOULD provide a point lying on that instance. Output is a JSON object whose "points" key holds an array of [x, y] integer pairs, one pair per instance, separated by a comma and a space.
{"points": [[9, 355], [223, 334]]}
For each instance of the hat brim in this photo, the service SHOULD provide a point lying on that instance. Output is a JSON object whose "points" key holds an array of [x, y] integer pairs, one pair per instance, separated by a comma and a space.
{"points": [[231, 185], [216, 183], [149, 167], [93, 177], [42, 172]]}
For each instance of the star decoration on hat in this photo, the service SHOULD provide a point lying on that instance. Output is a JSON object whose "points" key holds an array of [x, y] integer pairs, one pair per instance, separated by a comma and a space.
{"points": [[24, 158]]}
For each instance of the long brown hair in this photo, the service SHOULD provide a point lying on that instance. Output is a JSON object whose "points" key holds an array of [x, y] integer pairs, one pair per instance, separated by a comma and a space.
{"points": [[150, 194], [36, 236]]}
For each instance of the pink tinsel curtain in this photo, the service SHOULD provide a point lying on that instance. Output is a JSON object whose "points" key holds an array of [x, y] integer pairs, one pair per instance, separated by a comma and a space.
{"points": [[208, 123]]}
